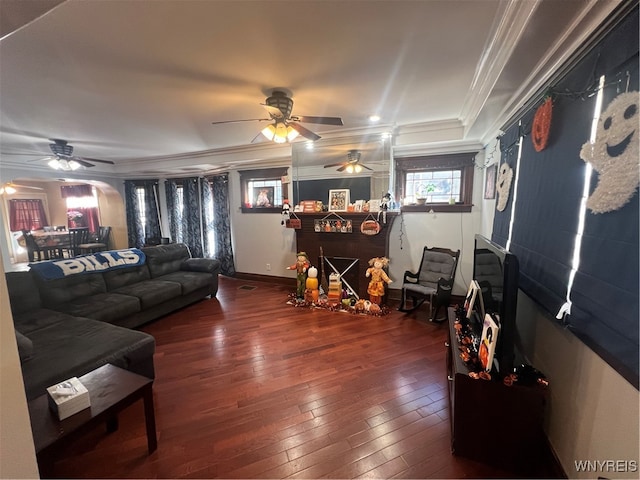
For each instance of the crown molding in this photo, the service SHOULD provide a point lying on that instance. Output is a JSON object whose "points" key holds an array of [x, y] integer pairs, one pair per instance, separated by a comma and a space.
{"points": [[510, 24], [593, 14]]}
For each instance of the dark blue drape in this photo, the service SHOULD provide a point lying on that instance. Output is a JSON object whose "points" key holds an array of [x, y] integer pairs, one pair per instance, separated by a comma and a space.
{"points": [[222, 224], [509, 144], [136, 231], [605, 293]]}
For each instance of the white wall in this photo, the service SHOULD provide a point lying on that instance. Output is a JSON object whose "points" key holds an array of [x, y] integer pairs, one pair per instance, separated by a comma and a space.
{"points": [[259, 238]]}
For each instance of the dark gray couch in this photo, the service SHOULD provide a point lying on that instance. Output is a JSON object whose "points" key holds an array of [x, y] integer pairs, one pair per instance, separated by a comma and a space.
{"points": [[70, 326]]}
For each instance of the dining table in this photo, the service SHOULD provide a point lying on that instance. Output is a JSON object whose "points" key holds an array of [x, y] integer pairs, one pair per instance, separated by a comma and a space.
{"points": [[51, 240]]}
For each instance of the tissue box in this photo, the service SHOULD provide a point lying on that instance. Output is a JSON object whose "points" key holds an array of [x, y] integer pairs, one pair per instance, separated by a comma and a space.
{"points": [[68, 398]]}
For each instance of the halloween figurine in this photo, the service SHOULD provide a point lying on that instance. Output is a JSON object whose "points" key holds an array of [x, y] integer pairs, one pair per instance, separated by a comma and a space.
{"points": [[378, 277], [301, 266]]}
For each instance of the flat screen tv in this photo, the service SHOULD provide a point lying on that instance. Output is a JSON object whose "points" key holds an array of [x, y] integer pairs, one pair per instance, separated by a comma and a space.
{"points": [[496, 271]]}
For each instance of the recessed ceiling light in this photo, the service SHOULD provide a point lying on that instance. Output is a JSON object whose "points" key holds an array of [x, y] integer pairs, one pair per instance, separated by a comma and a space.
{"points": [[374, 118]]}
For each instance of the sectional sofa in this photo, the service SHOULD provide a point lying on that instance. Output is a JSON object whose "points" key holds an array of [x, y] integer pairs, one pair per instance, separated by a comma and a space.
{"points": [[74, 315]]}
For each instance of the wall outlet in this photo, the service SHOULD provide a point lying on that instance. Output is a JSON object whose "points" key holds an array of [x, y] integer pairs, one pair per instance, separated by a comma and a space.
{"points": [[268, 267]]}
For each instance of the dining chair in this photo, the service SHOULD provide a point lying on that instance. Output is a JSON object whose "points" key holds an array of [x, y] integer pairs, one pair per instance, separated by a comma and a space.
{"points": [[33, 250], [101, 243], [77, 236]]}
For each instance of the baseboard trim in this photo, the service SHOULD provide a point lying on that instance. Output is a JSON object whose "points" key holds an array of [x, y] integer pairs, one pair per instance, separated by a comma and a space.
{"points": [[287, 281]]}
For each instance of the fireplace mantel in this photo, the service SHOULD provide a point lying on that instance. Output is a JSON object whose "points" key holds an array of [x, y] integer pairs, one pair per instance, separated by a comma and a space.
{"points": [[345, 245]]}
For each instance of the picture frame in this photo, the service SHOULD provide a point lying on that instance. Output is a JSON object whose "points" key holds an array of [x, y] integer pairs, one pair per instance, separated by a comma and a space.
{"points": [[488, 341], [263, 197], [470, 299], [490, 182], [338, 200]]}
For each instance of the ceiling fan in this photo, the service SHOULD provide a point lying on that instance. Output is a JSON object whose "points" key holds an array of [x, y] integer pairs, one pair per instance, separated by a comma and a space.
{"points": [[63, 158], [11, 188], [351, 165], [286, 127]]}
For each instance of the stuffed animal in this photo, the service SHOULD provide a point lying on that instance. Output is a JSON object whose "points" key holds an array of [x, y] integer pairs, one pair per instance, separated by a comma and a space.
{"points": [[286, 212], [378, 277]]}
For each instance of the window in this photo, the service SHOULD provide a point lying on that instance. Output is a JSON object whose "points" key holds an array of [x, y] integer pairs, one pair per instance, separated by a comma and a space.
{"points": [[262, 190], [82, 206], [442, 183]]}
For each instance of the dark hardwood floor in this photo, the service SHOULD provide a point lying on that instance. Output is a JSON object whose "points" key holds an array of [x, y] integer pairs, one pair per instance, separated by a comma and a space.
{"points": [[250, 387]]}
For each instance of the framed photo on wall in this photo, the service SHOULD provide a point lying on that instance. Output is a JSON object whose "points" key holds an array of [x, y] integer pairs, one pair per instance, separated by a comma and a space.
{"points": [[263, 197], [490, 182], [338, 200]]}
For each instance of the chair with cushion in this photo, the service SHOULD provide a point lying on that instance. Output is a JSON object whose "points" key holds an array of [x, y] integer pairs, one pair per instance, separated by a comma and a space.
{"points": [[433, 281], [77, 236], [101, 243], [34, 253]]}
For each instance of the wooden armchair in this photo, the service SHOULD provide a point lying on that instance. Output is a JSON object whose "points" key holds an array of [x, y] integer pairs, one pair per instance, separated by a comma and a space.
{"points": [[433, 281]]}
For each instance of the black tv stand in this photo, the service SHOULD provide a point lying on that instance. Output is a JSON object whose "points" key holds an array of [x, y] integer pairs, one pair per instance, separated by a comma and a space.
{"points": [[491, 422]]}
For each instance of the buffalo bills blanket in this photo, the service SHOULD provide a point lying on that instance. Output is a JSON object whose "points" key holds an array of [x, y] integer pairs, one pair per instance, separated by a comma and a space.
{"points": [[97, 262]]}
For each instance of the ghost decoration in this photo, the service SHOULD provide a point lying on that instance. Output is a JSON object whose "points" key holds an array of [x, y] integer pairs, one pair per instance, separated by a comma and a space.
{"points": [[614, 154], [503, 185]]}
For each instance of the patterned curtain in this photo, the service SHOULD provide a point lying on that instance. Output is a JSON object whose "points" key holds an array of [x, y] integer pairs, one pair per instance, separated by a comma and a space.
{"points": [[140, 227], [174, 212], [134, 222], [199, 217], [222, 224], [151, 215]]}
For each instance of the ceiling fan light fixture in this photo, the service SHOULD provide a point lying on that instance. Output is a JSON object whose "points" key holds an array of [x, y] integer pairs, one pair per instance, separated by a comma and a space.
{"points": [[62, 164], [357, 168], [269, 132], [292, 134], [281, 133], [8, 189], [349, 169]]}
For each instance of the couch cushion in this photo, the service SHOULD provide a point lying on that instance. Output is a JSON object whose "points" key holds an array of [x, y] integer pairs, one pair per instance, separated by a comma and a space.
{"points": [[164, 259], [152, 292], [65, 290], [208, 265], [76, 346], [33, 320], [25, 347], [23, 292], [106, 307], [119, 278], [190, 281]]}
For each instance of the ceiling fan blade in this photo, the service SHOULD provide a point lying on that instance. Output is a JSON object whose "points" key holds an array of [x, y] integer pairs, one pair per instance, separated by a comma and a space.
{"points": [[246, 120], [17, 185], [304, 132], [322, 120], [364, 166], [273, 111], [335, 165], [86, 159], [341, 169], [82, 162]]}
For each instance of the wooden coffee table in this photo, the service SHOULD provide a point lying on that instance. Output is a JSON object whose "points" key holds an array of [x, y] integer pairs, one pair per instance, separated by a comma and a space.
{"points": [[111, 389]]}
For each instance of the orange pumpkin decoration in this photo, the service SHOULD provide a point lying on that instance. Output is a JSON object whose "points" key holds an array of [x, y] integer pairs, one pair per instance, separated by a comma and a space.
{"points": [[542, 125]]}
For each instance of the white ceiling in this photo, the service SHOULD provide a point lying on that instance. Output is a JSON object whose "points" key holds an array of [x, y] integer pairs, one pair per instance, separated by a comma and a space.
{"points": [[139, 82]]}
